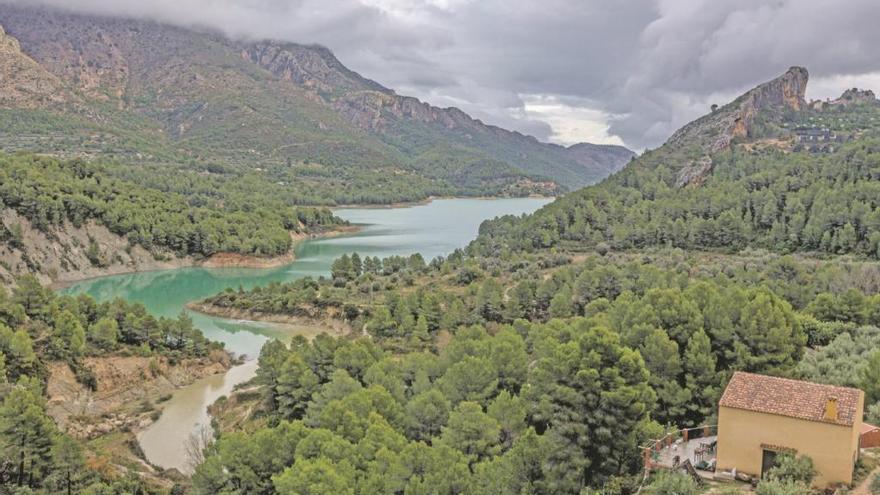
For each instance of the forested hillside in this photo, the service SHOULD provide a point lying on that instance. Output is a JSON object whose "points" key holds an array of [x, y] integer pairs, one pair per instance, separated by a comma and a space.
{"points": [[188, 214], [139, 92], [445, 375], [38, 329], [539, 359], [800, 180]]}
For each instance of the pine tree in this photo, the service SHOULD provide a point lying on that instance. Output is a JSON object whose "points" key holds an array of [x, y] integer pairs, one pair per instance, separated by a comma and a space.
{"points": [[69, 338], [26, 433], [341, 268], [870, 378], [561, 304], [421, 330], [701, 378], [357, 267], [296, 384], [662, 360], [67, 457]]}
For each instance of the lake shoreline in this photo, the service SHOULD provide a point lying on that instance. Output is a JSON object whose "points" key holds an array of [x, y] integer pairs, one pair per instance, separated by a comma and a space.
{"points": [[440, 228], [125, 382], [334, 326], [429, 200], [217, 260]]}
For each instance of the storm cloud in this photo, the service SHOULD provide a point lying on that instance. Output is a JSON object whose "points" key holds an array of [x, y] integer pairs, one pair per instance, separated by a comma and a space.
{"points": [[562, 70]]}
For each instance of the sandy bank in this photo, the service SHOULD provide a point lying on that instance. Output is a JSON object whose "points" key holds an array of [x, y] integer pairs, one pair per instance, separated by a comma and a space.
{"points": [[330, 325]]}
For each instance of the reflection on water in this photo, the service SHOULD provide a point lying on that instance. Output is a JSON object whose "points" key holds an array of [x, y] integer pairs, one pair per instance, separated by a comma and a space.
{"points": [[432, 229]]}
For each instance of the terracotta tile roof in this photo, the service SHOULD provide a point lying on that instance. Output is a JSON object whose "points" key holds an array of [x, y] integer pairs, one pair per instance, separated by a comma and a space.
{"points": [[793, 398], [868, 428]]}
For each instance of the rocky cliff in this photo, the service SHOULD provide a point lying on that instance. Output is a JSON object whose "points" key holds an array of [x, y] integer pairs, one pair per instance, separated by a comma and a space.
{"points": [[23, 83], [852, 96], [69, 253], [715, 131], [125, 384]]}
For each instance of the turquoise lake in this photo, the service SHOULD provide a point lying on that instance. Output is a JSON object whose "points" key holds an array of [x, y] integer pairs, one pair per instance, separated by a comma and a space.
{"points": [[433, 229]]}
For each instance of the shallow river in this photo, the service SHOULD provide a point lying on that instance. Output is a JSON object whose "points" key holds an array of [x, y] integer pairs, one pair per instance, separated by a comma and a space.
{"points": [[432, 229]]}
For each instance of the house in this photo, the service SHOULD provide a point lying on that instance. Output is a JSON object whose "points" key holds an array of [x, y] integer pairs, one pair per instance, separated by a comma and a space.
{"points": [[814, 134], [760, 417], [870, 438]]}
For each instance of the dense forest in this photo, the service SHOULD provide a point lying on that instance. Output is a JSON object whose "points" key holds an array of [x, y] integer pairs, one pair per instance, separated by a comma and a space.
{"points": [[660, 333], [187, 214], [38, 327]]}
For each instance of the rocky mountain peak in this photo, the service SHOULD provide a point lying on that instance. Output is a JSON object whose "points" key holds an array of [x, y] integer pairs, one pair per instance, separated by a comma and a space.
{"points": [[786, 90], [609, 157], [714, 132], [312, 67], [856, 95]]}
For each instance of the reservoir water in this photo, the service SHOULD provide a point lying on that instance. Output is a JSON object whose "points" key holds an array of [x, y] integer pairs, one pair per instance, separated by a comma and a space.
{"points": [[432, 229]]}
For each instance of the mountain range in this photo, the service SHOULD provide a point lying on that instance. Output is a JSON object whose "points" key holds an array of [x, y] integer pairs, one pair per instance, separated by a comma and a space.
{"points": [[140, 92]]}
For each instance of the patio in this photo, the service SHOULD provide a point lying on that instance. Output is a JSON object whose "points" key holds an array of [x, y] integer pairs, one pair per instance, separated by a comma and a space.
{"points": [[697, 450], [697, 445]]}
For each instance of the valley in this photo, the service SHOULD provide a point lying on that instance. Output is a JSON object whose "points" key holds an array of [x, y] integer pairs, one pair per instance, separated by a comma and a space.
{"points": [[288, 116], [435, 228], [230, 264]]}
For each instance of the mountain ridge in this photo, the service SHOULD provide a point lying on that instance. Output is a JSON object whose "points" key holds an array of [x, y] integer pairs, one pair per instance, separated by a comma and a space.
{"points": [[182, 94], [735, 119]]}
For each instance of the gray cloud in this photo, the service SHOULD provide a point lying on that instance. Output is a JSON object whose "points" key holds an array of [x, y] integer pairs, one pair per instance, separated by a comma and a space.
{"points": [[632, 70]]}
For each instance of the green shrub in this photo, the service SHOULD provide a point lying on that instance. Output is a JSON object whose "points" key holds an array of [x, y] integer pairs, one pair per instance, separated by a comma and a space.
{"points": [[875, 485], [672, 483]]}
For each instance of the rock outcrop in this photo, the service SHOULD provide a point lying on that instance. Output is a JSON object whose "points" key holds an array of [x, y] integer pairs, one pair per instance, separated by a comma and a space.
{"points": [[67, 253], [695, 173], [852, 96], [714, 132], [23, 83], [855, 96]]}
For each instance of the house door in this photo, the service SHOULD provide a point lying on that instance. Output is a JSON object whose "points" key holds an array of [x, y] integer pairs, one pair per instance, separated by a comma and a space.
{"points": [[768, 462]]}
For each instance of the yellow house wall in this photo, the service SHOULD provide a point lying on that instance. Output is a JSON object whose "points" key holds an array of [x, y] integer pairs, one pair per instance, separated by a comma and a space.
{"points": [[833, 448]]}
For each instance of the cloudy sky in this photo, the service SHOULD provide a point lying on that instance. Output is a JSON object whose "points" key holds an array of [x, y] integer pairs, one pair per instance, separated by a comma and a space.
{"points": [[626, 71]]}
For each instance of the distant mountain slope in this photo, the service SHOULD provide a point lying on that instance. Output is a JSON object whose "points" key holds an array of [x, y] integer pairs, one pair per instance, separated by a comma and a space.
{"points": [[25, 83], [768, 170], [157, 93], [603, 157]]}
